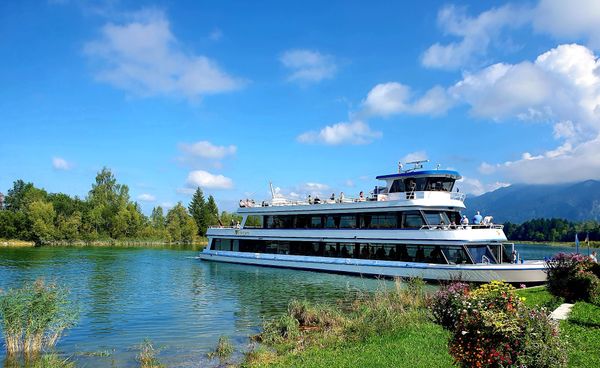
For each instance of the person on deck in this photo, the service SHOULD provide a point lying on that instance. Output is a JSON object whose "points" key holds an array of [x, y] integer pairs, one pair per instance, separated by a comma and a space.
{"points": [[464, 221], [593, 257], [477, 218]]}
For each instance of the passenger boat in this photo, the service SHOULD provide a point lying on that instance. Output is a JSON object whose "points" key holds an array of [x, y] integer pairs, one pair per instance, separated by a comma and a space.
{"points": [[409, 227]]}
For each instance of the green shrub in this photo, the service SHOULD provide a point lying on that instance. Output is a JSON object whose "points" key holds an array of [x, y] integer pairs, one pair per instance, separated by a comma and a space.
{"points": [[35, 316], [223, 350], [147, 355], [574, 277]]}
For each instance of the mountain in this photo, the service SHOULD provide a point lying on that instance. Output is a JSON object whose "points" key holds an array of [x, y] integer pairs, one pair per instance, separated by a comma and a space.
{"points": [[521, 202]]}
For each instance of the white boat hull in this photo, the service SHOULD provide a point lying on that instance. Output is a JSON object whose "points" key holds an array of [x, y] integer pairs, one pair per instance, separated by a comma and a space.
{"points": [[527, 273]]}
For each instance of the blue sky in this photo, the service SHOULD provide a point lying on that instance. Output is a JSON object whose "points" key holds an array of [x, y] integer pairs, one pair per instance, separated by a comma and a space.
{"points": [[317, 97]]}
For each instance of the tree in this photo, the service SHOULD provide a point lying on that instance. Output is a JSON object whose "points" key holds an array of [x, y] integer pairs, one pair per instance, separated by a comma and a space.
{"points": [[157, 218], [108, 202], [198, 211], [22, 194], [211, 212], [181, 226], [41, 215]]}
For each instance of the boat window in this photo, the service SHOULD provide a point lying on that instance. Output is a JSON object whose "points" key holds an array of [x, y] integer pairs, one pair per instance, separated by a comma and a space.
{"points": [[436, 218], [384, 221], [222, 244], [456, 255], [236, 246], [331, 222], [480, 253], [500, 253], [397, 186], [253, 221], [453, 216], [412, 220], [302, 222], [439, 184], [316, 222], [347, 222]]}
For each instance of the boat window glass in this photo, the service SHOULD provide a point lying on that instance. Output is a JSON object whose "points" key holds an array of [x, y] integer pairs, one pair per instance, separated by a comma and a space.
{"points": [[331, 250], [397, 186], [439, 184], [253, 221], [316, 222], [301, 222], [436, 218], [499, 253], [479, 252], [236, 246], [347, 222], [223, 244], [330, 222], [456, 255], [384, 221], [453, 216], [412, 220]]}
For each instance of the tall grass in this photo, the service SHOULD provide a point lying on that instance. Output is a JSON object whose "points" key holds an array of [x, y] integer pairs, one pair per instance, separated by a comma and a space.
{"points": [[35, 316], [147, 355], [306, 324]]}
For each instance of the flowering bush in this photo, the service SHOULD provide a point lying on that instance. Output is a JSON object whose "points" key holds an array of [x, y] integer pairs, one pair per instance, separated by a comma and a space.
{"points": [[491, 327], [447, 303], [574, 277]]}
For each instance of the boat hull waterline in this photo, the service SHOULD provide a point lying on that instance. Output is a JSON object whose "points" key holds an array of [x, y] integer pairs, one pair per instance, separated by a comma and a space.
{"points": [[532, 272]]}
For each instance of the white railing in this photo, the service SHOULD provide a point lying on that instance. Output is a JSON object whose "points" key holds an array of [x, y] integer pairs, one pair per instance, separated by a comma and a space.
{"points": [[458, 196], [462, 227]]}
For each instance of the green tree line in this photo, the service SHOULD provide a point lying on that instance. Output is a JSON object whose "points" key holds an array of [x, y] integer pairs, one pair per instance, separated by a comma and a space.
{"points": [[552, 230], [31, 213]]}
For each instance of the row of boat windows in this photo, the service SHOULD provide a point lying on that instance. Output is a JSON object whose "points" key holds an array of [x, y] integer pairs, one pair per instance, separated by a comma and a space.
{"points": [[440, 254], [422, 184], [382, 220]]}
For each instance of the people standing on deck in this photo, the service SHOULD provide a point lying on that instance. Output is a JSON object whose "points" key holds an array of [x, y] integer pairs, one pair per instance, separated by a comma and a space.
{"points": [[361, 196], [464, 221], [593, 257], [341, 197], [310, 200], [477, 218], [332, 198]]}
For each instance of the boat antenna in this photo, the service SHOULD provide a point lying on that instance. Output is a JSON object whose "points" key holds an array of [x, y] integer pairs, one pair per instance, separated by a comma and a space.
{"points": [[418, 164], [272, 190], [399, 167], [437, 167]]}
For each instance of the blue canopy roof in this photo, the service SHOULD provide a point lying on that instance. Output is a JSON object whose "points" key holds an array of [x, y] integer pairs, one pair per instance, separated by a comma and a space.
{"points": [[421, 173]]}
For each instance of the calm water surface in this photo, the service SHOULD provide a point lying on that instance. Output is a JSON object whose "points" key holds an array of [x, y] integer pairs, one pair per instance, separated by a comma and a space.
{"points": [[180, 303]]}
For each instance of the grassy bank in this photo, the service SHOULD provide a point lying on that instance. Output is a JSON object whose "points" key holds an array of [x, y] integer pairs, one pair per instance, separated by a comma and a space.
{"points": [[393, 329], [127, 243], [15, 243]]}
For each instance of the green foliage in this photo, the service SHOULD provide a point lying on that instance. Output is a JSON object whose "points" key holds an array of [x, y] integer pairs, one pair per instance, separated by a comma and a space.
{"points": [[34, 316], [197, 208], [551, 230], [539, 297]]}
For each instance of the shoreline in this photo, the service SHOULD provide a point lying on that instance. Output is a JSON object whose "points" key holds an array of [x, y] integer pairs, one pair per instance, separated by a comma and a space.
{"points": [[116, 243], [582, 244]]}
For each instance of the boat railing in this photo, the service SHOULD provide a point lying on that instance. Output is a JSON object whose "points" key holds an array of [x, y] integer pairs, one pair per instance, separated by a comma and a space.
{"points": [[458, 196], [462, 227]]}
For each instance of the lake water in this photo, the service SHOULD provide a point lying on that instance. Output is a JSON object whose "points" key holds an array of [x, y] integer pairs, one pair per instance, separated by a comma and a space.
{"points": [[180, 303]]}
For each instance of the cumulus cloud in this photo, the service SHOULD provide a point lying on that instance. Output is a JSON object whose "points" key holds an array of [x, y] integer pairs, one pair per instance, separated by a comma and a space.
{"points": [[145, 197], [205, 149], [204, 179], [204, 153], [308, 65], [59, 163], [561, 86], [356, 132], [569, 19], [144, 58], [476, 34], [392, 98]]}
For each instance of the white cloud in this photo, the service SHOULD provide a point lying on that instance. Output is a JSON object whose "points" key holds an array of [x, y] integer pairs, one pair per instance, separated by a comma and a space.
{"points": [[476, 187], [414, 156], [477, 34], [561, 86], [313, 187], [59, 163], [204, 179], [308, 65], [569, 19], [391, 98], [145, 197], [205, 149], [144, 58], [356, 132], [565, 164]]}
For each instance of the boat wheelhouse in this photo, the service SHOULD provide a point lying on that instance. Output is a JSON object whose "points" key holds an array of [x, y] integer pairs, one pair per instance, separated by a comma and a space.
{"points": [[409, 227]]}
